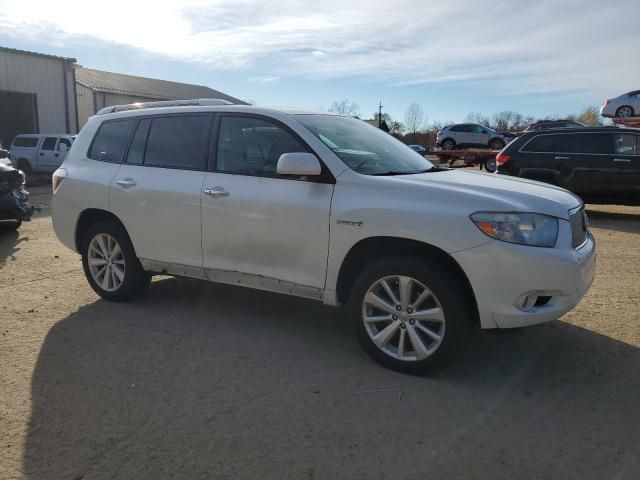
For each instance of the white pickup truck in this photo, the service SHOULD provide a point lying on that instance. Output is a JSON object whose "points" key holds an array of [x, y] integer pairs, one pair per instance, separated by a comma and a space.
{"points": [[39, 152]]}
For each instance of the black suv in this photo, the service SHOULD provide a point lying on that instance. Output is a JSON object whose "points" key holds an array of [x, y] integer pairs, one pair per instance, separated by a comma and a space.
{"points": [[601, 165]]}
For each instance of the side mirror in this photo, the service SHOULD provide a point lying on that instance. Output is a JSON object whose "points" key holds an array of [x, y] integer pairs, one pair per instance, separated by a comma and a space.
{"points": [[299, 164], [63, 148], [484, 131]]}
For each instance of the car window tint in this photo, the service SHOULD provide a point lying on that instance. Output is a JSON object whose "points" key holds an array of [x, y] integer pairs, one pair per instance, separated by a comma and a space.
{"points": [[591, 143], [626, 144], [138, 143], [64, 141], [178, 142], [252, 146], [457, 128], [111, 140], [542, 143], [26, 142], [49, 143]]}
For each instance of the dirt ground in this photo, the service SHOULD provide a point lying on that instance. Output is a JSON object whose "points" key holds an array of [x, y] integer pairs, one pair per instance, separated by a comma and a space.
{"points": [[197, 380]]}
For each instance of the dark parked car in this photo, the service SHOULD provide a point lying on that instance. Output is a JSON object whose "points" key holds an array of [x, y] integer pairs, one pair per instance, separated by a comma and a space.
{"points": [[601, 165], [547, 124]]}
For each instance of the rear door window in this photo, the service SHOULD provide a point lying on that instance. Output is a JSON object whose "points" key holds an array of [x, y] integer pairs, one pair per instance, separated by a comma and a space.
{"points": [[49, 143], [626, 144], [589, 143], [180, 141], [139, 142], [111, 140], [25, 142]]}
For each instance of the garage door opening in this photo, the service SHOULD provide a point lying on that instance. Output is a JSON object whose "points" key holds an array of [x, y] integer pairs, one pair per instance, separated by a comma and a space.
{"points": [[18, 114]]}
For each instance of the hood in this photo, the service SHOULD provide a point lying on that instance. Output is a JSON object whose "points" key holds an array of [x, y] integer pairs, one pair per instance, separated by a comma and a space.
{"points": [[494, 192]]}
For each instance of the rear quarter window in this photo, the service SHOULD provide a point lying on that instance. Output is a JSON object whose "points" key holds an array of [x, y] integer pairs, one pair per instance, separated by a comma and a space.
{"points": [[542, 144], [110, 143]]}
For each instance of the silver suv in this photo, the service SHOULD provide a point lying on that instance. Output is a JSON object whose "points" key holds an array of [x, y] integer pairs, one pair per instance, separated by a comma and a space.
{"points": [[471, 135]]}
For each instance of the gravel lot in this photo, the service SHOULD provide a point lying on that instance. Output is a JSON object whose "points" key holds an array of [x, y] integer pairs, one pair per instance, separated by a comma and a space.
{"points": [[197, 380]]}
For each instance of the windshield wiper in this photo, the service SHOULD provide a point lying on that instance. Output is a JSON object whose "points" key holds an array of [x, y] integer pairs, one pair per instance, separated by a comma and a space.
{"points": [[393, 172]]}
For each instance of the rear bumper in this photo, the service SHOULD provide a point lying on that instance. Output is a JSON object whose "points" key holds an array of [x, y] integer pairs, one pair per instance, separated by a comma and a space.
{"points": [[607, 111], [507, 280]]}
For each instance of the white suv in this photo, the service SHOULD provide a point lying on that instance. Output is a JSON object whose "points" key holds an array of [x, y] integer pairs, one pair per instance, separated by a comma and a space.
{"points": [[466, 135], [324, 207]]}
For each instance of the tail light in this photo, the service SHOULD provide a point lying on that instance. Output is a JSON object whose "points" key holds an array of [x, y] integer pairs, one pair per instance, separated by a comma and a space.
{"points": [[501, 158], [56, 179], [606, 102]]}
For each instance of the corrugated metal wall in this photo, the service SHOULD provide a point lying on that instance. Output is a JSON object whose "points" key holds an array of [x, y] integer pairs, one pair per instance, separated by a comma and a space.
{"points": [[87, 107], [85, 104], [46, 78]]}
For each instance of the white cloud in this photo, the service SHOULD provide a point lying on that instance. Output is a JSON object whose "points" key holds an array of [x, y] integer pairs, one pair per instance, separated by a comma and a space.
{"points": [[522, 46]]}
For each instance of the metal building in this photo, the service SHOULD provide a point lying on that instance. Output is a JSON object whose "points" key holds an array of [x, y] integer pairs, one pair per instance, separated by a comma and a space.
{"points": [[37, 94], [97, 89]]}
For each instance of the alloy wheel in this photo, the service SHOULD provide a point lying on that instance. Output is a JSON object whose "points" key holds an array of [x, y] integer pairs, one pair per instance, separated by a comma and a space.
{"points": [[625, 112], [106, 262], [403, 318]]}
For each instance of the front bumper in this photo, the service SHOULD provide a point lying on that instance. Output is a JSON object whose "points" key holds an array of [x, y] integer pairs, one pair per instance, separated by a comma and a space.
{"points": [[504, 275]]}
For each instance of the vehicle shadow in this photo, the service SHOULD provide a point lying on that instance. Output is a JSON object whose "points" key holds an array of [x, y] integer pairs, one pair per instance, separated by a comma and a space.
{"points": [[619, 221], [211, 381], [9, 244]]}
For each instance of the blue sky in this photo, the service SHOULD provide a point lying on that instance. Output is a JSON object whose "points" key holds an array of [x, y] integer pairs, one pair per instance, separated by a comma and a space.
{"points": [[539, 58]]}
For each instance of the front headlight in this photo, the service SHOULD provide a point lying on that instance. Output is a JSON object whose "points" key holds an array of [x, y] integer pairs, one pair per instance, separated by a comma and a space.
{"points": [[534, 229]]}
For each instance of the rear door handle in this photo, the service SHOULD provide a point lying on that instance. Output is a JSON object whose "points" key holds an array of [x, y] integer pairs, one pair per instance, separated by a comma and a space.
{"points": [[563, 158], [127, 182], [626, 160], [216, 192]]}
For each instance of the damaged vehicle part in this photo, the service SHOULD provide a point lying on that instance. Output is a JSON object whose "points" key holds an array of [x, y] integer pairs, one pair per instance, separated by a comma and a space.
{"points": [[14, 199]]}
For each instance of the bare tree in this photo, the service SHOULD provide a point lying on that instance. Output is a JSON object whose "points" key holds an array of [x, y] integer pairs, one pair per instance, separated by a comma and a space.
{"points": [[345, 107], [590, 116], [477, 117], [414, 119]]}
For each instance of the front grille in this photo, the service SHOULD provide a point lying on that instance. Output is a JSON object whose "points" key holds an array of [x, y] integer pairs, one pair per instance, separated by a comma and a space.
{"points": [[579, 228]]}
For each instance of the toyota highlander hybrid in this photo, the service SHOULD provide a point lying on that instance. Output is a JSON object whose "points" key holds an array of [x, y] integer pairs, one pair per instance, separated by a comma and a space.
{"points": [[324, 207]]}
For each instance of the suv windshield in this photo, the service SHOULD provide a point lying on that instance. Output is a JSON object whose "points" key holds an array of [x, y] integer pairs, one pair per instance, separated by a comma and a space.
{"points": [[364, 148]]}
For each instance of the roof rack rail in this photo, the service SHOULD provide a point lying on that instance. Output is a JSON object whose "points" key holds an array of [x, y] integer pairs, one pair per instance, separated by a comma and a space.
{"points": [[164, 103]]}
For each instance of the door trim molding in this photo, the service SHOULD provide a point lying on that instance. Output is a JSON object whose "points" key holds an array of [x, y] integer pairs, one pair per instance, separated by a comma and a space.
{"points": [[229, 277]]}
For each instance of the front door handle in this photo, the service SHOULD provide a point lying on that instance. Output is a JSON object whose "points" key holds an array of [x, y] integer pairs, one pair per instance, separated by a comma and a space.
{"points": [[626, 160], [127, 182], [563, 158], [216, 192]]}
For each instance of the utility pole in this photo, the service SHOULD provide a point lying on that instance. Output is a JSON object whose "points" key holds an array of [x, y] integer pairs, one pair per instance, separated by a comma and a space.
{"points": [[380, 115]]}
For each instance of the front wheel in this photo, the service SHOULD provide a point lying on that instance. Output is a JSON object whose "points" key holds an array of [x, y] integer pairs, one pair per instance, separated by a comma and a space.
{"points": [[110, 263], [491, 165], [406, 316]]}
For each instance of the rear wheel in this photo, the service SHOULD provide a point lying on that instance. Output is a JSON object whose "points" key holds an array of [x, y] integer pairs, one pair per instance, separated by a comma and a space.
{"points": [[625, 111], [110, 264], [448, 144], [496, 144], [406, 317]]}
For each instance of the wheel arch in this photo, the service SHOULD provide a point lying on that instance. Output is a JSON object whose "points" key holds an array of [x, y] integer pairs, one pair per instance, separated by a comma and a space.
{"points": [[89, 217], [374, 248]]}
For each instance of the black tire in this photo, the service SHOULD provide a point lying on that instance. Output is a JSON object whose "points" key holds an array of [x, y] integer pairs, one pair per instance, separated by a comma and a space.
{"points": [[438, 277], [626, 109], [136, 279], [496, 144], [10, 225], [448, 144], [491, 165]]}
